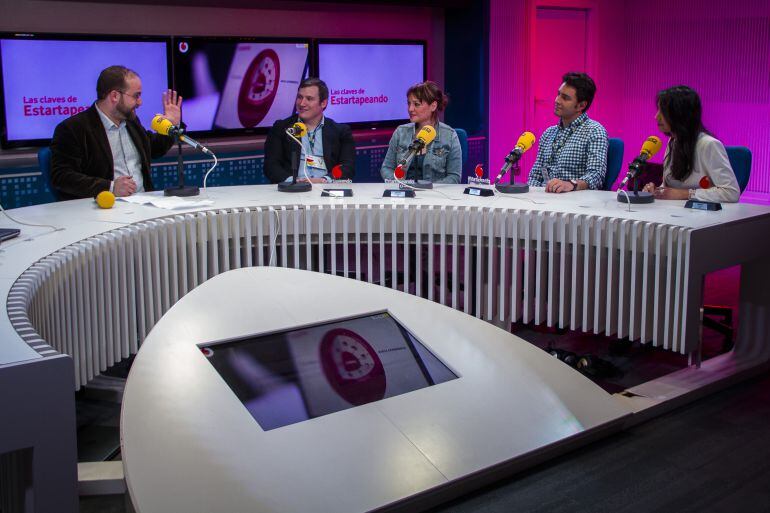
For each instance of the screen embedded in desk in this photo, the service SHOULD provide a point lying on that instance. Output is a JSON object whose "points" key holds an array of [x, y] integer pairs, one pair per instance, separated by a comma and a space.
{"points": [[299, 374]]}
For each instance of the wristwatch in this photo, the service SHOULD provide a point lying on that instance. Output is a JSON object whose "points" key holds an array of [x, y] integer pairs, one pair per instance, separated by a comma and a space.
{"points": [[574, 184]]}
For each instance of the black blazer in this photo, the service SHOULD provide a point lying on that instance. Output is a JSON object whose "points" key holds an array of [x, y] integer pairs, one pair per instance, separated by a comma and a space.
{"points": [[339, 148], [81, 158]]}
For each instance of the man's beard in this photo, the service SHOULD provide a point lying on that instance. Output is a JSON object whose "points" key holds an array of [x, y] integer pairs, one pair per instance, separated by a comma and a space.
{"points": [[126, 113]]}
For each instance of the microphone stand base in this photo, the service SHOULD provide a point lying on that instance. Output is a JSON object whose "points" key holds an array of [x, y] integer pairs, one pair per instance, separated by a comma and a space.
{"points": [[295, 187], [182, 190], [636, 197], [512, 188]]}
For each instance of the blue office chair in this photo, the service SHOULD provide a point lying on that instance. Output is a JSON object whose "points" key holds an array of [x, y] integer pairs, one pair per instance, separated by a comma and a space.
{"points": [[44, 161], [614, 162], [463, 136], [740, 161]]}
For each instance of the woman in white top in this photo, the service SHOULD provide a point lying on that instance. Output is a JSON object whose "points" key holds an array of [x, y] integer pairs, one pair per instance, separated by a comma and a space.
{"points": [[695, 165]]}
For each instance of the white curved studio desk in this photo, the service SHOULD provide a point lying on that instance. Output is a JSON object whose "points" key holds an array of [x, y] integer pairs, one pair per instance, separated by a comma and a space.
{"points": [[189, 445], [95, 289]]}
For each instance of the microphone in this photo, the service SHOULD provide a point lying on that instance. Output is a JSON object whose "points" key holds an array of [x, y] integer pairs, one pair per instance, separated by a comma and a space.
{"points": [[164, 127], [525, 142], [424, 137], [298, 129], [650, 147]]}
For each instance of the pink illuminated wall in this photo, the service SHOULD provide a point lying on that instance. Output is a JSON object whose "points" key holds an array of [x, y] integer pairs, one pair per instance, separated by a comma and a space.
{"points": [[509, 89], [633, 49], [720, 49]]}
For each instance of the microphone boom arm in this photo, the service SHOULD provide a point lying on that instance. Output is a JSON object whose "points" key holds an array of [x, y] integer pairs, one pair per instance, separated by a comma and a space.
{"points": [[510, 159], [302, 147], [414, 149]]}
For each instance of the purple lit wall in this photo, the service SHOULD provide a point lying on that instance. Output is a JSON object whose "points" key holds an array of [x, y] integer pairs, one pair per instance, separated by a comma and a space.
{"points": [[633, 49], [318, 20]]}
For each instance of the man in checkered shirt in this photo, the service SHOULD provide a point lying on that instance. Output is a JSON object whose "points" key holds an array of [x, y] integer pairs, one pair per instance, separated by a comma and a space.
{"points": [[572, 155]]}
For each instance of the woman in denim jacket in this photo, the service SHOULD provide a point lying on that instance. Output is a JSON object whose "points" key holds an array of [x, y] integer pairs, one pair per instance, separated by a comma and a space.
{"points": [[441, 160]]}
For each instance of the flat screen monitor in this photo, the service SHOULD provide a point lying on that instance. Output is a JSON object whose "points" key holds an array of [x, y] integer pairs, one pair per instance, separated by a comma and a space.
{"points": [[291, 376], [49, 77], [368, 80], [232, 85]]}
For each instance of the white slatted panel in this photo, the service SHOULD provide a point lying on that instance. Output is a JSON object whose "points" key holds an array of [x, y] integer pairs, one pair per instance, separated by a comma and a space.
{"points": [[516, 267], [468, 258], [97, 299], [489, 281], [406, 263]]}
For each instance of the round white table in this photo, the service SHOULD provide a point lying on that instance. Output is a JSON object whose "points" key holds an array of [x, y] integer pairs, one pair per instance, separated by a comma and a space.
{"points": [[190, 445]]}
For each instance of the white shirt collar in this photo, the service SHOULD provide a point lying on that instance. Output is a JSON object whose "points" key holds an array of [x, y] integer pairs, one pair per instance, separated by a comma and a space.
{"points": [[108, 123]]}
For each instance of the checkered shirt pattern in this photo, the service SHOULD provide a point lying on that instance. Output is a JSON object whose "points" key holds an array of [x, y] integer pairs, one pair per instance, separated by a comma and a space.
{"points": [[574, 152]]}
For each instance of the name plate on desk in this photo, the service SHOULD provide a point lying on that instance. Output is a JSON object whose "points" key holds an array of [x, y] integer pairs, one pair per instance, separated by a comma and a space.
{"points": [[703, 205], [398, 193], [478, 191], [337, 193], [410, 184], [8, 233]]}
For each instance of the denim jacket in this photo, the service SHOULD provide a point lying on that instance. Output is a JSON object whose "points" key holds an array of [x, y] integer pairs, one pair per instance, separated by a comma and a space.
{"points": [[443, 159]]}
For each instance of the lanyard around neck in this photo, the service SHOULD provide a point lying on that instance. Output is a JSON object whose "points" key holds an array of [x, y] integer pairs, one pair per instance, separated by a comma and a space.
{"points": [[311, 135]]}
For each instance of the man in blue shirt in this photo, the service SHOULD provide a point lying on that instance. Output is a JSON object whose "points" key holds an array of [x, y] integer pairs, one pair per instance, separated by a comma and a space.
{"points": [[572, 155]]}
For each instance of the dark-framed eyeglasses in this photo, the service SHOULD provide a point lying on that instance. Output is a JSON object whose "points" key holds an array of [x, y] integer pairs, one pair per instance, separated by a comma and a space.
{"points": [[135, 96]]}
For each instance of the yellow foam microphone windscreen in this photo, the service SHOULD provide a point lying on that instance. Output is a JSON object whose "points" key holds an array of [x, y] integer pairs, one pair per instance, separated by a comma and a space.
{"points": [[105, 199]]}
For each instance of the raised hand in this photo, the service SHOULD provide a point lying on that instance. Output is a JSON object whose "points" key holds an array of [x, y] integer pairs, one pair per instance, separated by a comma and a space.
{"points": [[172, 106]]}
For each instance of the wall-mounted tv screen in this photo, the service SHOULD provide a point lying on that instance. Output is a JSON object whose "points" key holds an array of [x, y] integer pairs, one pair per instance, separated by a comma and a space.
{"points": [[237, 84], [368, 80], [49, 77]]}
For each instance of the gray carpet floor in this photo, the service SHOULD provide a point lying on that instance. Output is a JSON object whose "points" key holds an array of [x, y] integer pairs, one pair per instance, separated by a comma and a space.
{"points": [[710, 456]]}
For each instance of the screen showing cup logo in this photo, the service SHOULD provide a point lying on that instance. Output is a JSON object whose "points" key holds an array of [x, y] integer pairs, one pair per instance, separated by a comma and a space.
{"points": [[352, 367]]}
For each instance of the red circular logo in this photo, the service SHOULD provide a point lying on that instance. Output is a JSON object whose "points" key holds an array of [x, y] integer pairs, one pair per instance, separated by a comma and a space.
{"points": [[399, 172], [337, 172], [479, 171], [704, 183], [259, 87], [352, 367], [183, 47]]}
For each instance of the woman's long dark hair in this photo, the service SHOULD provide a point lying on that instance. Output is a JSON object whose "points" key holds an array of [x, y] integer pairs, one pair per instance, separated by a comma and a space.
{"points": [[681, 108]]}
